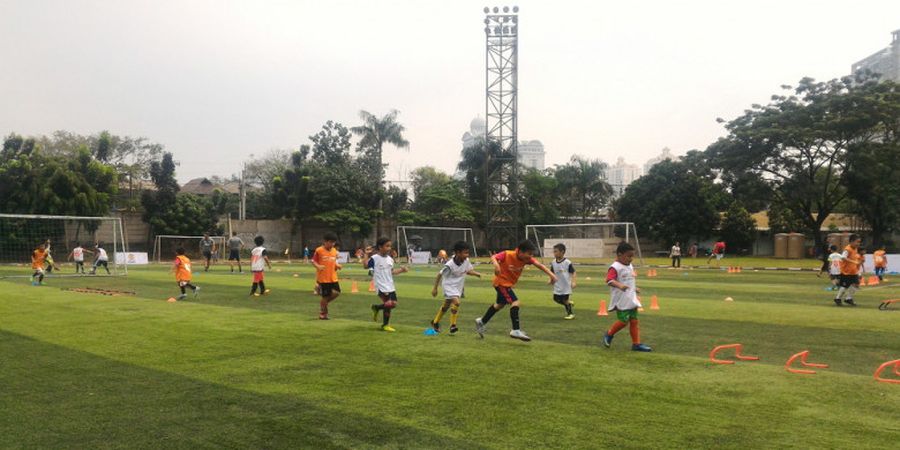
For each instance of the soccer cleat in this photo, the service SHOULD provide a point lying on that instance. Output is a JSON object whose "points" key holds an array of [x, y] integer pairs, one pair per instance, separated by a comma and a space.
{"points": [[569, 317], [837, 302], [388, 328], [453, 330], [323, 317], [374, 313], [182, 297], [479, 327], [850, 302], [520, 335], [256, 294], [196, 291], [607, 340], [640, 348], [436, 326], [268, 291]]}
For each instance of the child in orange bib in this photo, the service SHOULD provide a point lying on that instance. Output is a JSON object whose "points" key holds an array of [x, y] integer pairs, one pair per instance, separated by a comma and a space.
{"points": [[183, 275]]}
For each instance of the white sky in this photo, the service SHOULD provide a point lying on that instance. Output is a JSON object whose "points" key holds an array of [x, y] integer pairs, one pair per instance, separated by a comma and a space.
{"points": [[215, 81]]}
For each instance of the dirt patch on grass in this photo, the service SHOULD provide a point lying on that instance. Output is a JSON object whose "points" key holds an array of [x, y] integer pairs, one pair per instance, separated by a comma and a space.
{"points": [[110, 292]]}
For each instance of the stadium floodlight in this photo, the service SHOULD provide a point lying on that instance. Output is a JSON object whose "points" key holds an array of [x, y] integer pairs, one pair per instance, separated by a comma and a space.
{"points": [[588, 242], [506, 9], [414, 242], [496, 10], [515, 9], [20, 234], [164, 247]]}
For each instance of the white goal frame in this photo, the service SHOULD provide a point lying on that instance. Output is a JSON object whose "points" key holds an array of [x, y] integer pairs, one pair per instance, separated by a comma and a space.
{"points": [[403, 241], [119, 242], [531, 233], [222, 241]]}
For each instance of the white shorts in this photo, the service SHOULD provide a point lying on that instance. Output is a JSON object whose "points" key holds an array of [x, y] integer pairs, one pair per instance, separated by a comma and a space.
{"points": [[719, 256]]}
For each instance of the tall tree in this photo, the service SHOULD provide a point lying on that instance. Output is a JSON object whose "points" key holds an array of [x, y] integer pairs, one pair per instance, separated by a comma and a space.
{"points": [[738, 228], [439, 199], [374, 133], [582, 187], [669, 204], [799, 144], [540, 197]]}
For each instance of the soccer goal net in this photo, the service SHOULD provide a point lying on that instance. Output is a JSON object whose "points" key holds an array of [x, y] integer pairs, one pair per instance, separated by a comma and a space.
{"points": [[70, 239], [588, 242], [423, 245], [165, 245]]}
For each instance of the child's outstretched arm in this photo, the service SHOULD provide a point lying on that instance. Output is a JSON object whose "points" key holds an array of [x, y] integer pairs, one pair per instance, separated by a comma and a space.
{"points": [[473, 273], [437, 281], [400, 270], [544, 269]]}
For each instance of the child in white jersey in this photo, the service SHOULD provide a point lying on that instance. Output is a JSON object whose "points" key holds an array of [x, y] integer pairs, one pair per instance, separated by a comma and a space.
{"points": [[565, 279], [381, 265], [452, 279], [623, 298], [834, 266], [77, 255], [259, 260], [102, 259]]}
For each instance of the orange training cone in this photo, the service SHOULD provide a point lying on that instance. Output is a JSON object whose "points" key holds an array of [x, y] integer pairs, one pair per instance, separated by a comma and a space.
{"points": [[873, 280], [354, 287], [635, 273], [654, 302], [862, 281], [739, 269], [601, 311], [372, 286]]}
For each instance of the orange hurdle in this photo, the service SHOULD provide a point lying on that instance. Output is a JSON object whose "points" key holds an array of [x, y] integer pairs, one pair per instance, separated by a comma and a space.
{"points": [[881, 368], [802, 356], [884, 305], [737, 354]]}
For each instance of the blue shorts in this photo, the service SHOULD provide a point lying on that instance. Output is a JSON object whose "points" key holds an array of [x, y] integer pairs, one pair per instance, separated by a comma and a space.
{"points": [[505, 295]]}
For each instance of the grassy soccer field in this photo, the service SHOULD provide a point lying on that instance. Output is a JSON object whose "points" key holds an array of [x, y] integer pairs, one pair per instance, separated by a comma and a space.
{"points": [[92, 371]]}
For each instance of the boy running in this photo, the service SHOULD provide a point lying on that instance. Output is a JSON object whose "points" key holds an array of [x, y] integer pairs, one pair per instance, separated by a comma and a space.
{"points": [[880, 262], [235, 245], [849, 278], [565, 279], [259, 260], [452, 279], [78, 256], [207, 248], [718, 252], [381, 265], [102, 259], [508, 267], [834, 266], [325, 260], [623, 298], [38, 257], [182, 269]]}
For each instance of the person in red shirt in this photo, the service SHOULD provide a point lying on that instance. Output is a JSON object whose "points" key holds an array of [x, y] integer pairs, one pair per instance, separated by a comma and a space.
{"points": [[508, 266], [718, 252]]}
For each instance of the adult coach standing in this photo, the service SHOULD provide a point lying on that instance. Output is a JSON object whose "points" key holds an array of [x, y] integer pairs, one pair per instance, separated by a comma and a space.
{"points": [[235, 245], [207, 247], [675, 254]]}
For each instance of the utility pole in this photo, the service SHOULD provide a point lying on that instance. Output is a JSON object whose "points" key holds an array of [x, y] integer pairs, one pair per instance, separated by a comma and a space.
{"points": [[242, 191]]}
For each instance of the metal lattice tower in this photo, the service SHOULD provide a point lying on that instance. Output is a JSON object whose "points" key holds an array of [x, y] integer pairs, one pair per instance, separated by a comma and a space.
{"points": [[501, 104]]}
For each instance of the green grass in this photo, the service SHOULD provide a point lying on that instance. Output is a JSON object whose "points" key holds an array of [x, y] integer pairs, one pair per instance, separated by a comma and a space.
{"points": [[90, 371]]}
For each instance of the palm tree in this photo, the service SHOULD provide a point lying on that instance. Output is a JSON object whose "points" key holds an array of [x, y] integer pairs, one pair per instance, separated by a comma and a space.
{"points": [[375, 132]]}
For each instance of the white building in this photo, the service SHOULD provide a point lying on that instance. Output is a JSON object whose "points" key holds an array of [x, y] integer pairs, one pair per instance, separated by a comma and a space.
{"points": [[885, 62], [620, 175], [531, 153], [665, 155]]}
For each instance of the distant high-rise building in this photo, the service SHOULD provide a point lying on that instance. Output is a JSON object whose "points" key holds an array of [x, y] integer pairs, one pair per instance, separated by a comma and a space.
{"points": [[531, 153], [620, 175], [885, 62], [665, 155]]}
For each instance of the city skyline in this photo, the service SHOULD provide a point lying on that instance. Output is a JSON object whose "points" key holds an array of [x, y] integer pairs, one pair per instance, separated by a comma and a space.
{"points": [[230, 78]]}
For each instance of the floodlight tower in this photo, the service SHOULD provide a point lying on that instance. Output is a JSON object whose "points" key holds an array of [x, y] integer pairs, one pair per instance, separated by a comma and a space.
{"points": [[501, 30]]}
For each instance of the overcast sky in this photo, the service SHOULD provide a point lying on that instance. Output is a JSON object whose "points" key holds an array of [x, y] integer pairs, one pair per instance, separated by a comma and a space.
{"points": [[215, 81]]}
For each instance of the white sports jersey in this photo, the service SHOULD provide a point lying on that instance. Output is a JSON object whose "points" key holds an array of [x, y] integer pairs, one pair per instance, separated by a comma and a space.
{"points": [[101, 255], [453, 277], [257, 259], [619, 299], [78, 254], [835, 260], [382, 272], [563, 271]]}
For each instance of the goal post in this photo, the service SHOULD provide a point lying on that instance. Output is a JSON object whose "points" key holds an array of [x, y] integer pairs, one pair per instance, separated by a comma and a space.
{"points": [[164, 247], [414, 242], [589, 242], [21, 234]]}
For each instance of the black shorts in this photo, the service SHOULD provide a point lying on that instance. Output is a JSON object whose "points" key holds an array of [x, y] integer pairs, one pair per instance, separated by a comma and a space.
{"points": [[207, 254], [558, 298], [847, 280], [385, 296], [234, 255], [505, 295], [325, 289], [834, 277], [826, 265]]}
